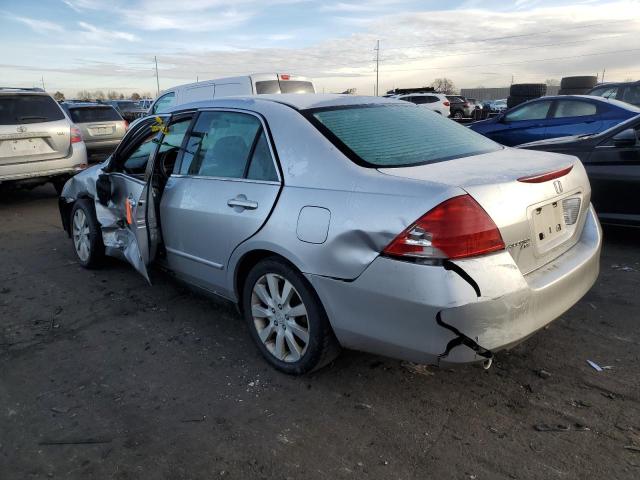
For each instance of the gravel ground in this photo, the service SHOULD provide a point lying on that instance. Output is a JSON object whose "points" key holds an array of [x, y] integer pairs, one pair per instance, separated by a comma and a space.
{"points": [[103, 376]]}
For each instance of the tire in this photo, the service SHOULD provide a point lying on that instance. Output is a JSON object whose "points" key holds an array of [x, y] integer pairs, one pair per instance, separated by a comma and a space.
{"points": [[532, 90], [86, 234], [580, 83], [273, 328], [573, 91], [457, 115], [514, 100]]}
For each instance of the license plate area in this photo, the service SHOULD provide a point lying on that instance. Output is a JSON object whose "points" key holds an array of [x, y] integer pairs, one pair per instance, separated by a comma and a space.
{"points": [[549, 228], [23, 146], [98, 131]]}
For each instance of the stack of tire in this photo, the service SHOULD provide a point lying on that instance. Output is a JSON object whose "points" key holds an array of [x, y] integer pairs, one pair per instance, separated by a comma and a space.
{"points": [[577, 85], [523, 92]]}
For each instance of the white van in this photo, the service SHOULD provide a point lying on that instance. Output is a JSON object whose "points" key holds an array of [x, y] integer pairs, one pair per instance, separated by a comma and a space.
{"points": [[255, 84]]}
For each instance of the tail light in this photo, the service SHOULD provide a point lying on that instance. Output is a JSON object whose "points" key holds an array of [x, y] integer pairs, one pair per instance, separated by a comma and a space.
{"points": [[285, 76], [76, 136], [446, 103], [465, 104], [457, 228]]}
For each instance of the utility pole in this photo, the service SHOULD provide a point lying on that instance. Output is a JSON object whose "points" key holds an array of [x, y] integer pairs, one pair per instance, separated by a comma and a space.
{"points": [[603, 70], [512, 79], [377, 49], [157, 79], [43, 82]]}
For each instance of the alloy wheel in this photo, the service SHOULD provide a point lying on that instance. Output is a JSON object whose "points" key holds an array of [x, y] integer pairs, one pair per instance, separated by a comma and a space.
{"points": [[81, 239], [280, 317]]}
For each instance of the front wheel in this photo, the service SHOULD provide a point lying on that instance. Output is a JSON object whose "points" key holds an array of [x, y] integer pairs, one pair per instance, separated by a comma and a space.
{"points": [[86, 234], [286, 319]]}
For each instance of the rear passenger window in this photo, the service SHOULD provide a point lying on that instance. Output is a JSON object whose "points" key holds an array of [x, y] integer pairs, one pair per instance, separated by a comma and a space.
{"points": [[262, 167], [574, 108], [221, 145], [632, 95]]}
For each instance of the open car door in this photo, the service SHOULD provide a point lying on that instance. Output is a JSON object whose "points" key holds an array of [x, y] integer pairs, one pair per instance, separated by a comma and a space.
{"points": [[128, 221]]}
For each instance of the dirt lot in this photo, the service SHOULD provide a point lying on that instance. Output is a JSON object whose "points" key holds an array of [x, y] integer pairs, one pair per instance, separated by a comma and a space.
{"points": [[103, 376]]}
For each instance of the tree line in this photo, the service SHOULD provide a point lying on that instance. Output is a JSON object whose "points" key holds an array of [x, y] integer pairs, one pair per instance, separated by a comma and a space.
{"points": [[101, 95]]}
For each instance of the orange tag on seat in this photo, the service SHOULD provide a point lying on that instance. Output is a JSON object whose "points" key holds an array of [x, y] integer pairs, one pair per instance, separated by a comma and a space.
{"points": [[129, 212]]}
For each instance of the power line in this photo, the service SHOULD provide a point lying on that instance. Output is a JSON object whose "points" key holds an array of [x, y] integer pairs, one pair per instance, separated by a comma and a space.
{"points": [[377, 49]]}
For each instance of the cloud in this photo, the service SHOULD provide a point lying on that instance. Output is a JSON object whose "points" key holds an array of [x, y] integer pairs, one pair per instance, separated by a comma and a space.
{"points": [[532, 44], [95, 34], [38, 26]]}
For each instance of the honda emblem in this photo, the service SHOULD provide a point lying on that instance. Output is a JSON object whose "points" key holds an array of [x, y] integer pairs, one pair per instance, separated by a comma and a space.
{"points": [[558, 185]]}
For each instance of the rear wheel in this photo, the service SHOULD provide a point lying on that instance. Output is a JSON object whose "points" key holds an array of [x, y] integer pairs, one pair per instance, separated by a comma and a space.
{"points": [[458, 115], [286, 319], [86, 234]]}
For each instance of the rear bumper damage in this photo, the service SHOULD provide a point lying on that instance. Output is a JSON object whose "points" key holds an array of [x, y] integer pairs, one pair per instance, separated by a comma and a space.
{"points": [[459, 314]]}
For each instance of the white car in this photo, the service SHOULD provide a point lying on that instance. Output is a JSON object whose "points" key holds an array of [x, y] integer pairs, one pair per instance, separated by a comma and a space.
{"points": [[437, 102], [254, 84], [38, 141]]}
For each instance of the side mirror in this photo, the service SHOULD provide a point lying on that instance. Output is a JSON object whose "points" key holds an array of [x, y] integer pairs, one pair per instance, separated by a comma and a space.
{"points": [[103, 188], [626, 138]]}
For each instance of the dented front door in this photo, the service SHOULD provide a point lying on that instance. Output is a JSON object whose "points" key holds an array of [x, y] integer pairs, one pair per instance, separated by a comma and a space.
{"points": [[129, 204]]}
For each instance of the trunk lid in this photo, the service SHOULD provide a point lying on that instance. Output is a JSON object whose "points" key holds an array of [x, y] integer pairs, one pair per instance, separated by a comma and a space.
{"points": [[33, 142], [537, 221]]}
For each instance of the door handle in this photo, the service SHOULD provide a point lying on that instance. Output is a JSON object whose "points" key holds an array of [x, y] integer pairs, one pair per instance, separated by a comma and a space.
{"points": [[242, 202]]}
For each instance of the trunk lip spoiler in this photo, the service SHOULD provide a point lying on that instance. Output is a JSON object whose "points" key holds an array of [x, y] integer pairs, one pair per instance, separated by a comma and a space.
{"points": [[547, 176]]}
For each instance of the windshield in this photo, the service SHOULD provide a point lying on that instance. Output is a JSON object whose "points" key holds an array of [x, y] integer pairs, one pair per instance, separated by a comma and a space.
{"points": [[17, 109], [395, 135], [94, 114]]}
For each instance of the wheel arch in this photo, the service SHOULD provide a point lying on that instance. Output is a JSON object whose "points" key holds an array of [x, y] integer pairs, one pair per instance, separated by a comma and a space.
{"points": [[66, 207], [247, 261]]}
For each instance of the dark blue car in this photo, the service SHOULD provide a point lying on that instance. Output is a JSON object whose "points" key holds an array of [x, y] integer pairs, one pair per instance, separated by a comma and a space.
{"points": [[557, 116]]}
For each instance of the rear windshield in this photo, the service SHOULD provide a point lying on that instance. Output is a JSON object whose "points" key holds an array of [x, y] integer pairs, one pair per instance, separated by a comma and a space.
{"points": [[16, 109], [397, 135], [94, 114], [284, 86], [128, 105]]}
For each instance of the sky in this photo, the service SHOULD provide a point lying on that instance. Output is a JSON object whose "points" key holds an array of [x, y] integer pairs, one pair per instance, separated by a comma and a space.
{"points": [[73, 45]]}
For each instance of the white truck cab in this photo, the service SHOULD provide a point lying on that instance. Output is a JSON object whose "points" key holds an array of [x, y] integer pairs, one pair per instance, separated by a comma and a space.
{"points": [[254, 84]]}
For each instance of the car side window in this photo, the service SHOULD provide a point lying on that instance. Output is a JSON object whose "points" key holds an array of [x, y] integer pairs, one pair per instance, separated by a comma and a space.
{"points": [[632, 94], [262, 167], [419, 100], [531, 111], [430, 99], [136, 161], [220, 144], [171, 143], [574, 108], [164, 103]]}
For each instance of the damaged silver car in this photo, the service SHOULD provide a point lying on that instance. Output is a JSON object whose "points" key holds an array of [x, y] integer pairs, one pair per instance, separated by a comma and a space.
{"points": [[332, 221]]}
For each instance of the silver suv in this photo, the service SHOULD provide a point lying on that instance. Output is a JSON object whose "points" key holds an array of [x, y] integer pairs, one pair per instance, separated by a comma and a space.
{"points": [[101, 126], [38, 142]]}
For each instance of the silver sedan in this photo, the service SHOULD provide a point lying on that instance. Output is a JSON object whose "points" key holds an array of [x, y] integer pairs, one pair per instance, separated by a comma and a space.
{"points": [[344, 221]]}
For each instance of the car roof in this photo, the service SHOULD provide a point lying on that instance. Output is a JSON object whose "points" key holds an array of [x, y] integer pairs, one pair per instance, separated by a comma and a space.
{"points": [[591, 98], [615, 84], [298, 101], [86, 104]]}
